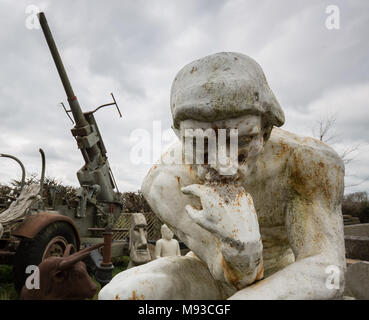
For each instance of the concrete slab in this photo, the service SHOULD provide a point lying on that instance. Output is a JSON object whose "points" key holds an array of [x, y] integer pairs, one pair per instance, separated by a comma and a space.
{"points": [[357, 280]]}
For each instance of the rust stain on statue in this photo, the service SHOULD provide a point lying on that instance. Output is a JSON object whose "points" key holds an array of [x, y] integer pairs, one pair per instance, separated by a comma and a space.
{"points": [[136, 297], [314, 182], [232, 276], [260, 274], [179, 182]]}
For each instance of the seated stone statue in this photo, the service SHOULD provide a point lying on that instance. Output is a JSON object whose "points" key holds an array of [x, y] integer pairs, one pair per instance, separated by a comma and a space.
{"points": [[166, 246], [139, 252], [276, 219]]}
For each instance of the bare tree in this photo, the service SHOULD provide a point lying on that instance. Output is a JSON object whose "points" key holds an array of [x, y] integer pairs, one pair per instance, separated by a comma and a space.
{"points": [[324, 132], [324, 128], [345, 154], [357, 183]]}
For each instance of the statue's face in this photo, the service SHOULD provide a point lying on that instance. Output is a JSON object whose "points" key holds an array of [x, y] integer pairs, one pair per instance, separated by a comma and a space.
{"points": [[139, 252], [166, 233], [250, 134]]}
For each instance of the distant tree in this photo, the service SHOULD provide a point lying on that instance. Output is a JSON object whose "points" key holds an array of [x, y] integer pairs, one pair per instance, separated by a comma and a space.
{"points": [[135, 202], [52, 187], [356, 204], [324, 131]]}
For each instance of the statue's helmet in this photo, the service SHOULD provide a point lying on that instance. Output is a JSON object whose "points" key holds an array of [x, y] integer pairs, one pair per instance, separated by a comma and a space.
{"points": [[222, 86]]}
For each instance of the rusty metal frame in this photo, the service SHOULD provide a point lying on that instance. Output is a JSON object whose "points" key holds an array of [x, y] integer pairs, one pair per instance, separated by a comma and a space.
{"points": [[33, 224]]}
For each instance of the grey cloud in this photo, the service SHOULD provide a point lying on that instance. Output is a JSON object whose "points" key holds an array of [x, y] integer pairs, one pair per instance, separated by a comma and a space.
{"points": [[135, 48]]}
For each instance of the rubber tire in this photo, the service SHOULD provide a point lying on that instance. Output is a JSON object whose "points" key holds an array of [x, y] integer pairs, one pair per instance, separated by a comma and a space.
{"points": [[30, 251]]}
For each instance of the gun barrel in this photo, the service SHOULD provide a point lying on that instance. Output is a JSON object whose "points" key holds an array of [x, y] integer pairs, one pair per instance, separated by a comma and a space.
{"points": [[72, 99]]}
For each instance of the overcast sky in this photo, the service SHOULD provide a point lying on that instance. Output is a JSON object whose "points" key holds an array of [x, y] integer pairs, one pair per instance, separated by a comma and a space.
{"points": [[135, 48]]}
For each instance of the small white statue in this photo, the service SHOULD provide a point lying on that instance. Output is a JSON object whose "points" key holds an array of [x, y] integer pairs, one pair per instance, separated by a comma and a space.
{"points": [[166, 246]]}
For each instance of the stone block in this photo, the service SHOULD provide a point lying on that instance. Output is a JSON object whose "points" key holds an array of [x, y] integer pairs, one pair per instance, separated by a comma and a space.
{"points": [[357, 280], [357, 247]]}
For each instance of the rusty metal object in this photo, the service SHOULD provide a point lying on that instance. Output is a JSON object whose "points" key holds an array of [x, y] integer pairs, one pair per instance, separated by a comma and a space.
{"points": [[56, 247], [106, 105], [95, 204], [6, 257], [32, 225], [108, 235], [63, 278], [43, 158], [21, 165], [104, 271], [113, 229]]}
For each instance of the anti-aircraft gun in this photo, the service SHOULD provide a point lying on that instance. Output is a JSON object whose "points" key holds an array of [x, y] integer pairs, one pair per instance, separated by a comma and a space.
{"points": [[48, 230], [98, 200]]}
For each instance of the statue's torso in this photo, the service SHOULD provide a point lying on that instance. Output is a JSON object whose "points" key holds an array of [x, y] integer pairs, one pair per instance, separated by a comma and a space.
{"points": [[272, 185], [168, 247]]}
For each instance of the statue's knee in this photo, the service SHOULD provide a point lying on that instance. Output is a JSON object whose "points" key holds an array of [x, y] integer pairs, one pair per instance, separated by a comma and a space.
{"points": [[133, 286]]}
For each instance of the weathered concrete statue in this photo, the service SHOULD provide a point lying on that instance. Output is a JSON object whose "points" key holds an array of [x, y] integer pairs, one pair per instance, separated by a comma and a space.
{"points": [[166, 246], [278, 213], [139, 252]]}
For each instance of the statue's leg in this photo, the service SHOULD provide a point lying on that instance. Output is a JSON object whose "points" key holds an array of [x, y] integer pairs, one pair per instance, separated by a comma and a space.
{"points": [[169, 278]]}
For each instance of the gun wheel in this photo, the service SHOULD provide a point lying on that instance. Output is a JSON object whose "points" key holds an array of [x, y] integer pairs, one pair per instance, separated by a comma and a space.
{"points": [[51, 241], [56, 247]]}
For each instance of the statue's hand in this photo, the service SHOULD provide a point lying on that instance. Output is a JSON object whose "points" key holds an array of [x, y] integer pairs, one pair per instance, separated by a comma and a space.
{"points": [[227, 211]]}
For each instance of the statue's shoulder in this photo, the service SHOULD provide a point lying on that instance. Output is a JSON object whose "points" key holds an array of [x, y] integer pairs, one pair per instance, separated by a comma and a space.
{"points": [[313, 166], [282, 141]]}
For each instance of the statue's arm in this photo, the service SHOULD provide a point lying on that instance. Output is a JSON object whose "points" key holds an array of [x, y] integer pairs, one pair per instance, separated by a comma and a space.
{"points": [[315, 230], [162, 190]]}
